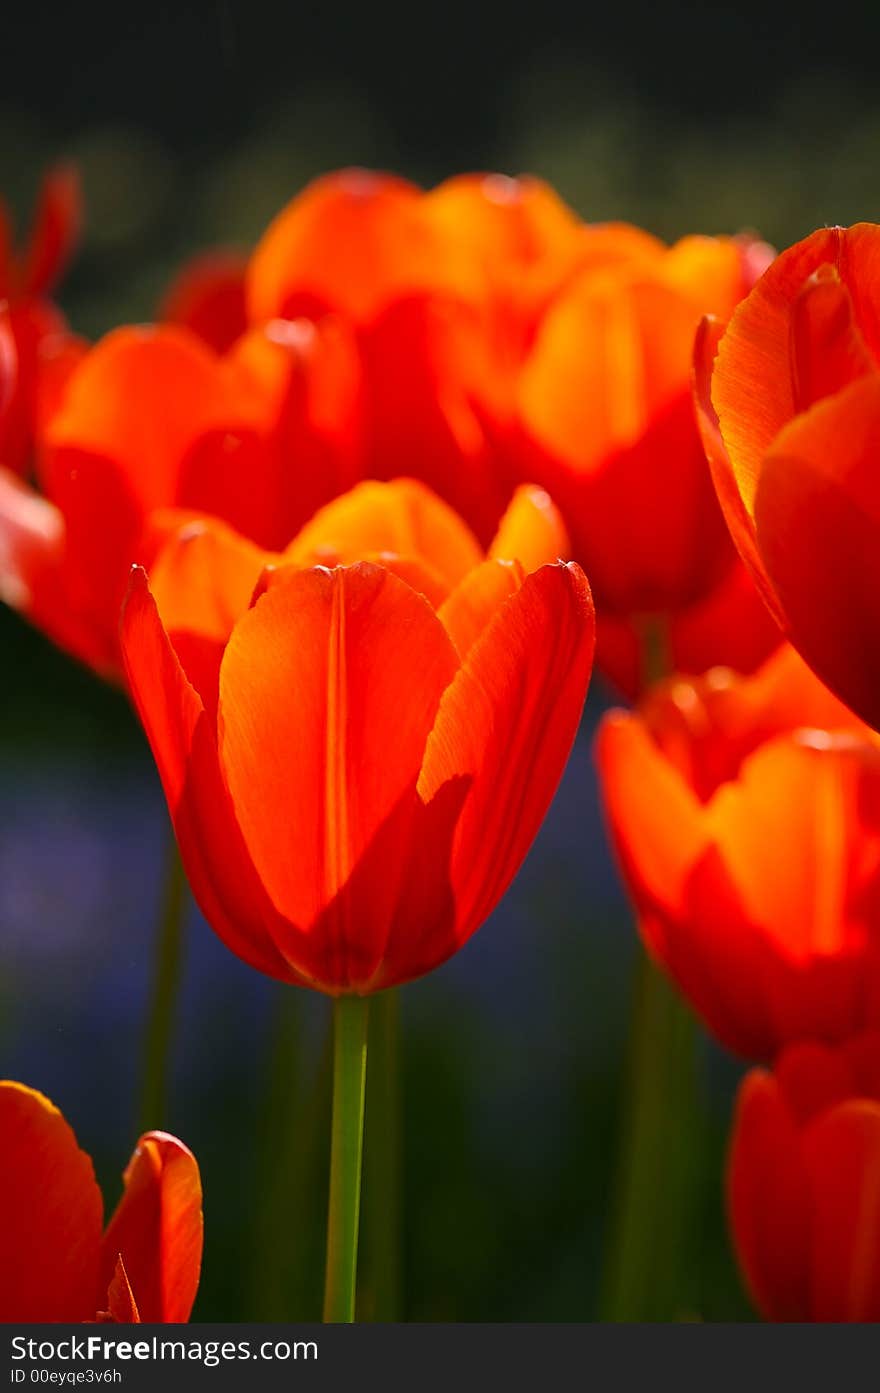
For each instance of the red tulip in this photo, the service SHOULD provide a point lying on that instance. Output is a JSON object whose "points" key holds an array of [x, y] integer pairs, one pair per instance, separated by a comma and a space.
{"points": [[746, 817], [789, 401], [55, 1262], [207, 297], [151, 419], [604, 407], [353, 777], [37, 327], [803, 1182]]}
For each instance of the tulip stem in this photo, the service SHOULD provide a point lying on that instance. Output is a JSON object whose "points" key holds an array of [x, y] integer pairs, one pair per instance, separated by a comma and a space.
{"points": [[650, 1221], [165, 990], [346, 1155], [653, 1190]]}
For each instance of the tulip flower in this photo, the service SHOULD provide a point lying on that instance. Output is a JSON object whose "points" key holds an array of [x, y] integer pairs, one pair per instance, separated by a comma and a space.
{"points": [[788, 396], [151, 419], [603, 405], [37, 327], [802, 1182], [59, 1262], [354, 777], [371, 252], [745, 813], [430, 741]]}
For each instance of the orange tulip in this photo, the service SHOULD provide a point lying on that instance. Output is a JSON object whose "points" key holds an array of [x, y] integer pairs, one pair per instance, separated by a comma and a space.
{"points": [[803, 1179], [37, 327], [55, 1262], [789, 402], [354, 777], [603, 404], [746, 817], [425, 283], [151, 419]]}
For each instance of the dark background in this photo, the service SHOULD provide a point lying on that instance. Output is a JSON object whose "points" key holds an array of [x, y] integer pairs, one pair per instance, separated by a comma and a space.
{"points": [[193, 125]]}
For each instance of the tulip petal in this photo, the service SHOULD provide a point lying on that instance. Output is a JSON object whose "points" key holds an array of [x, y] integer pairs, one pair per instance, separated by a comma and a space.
{"points": [[352, 241], [610, 354], [182, 737], [402, 517], [328, 689], [473, 604], [140, 398], [597, 448], [56, 230], [818, 511], [827, 349], [813, 1077], [756, 348], [434, 386], [156, 1229], [707, 271], [302, 387], [508, 722], [51, 1213], [783, 830], [207, 296], [202, 580], [842, 1157], [31, 542], [531, 531], [738, 518], [167, 704], [768, 1200], [507, 223], [657, 824]]}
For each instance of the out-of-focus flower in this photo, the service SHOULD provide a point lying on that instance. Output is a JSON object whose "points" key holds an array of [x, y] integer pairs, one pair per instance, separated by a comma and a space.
{"points": [[500, 339], [37, 328], [207, 296], [354, 777], [56, 1264], [604, 407], [730, 628], [151, 419], [788, 397], [428, 300], [803, 1176], [746, 817]]}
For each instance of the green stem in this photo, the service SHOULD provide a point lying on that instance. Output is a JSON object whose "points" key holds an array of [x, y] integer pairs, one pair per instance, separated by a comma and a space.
{"points": [[651, 1220], [382, 1216], [346, 1155], [652, 1211], [165, 990]]}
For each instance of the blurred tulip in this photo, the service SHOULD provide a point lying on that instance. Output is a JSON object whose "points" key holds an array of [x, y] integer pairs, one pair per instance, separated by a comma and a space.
{"points": [[428, 297], [207, 296], [746, 817], [788, 397], [150, 419], [37, 327], [603, 405], [354, 777], [730, 628], [803, 1179], [55, 1262]]}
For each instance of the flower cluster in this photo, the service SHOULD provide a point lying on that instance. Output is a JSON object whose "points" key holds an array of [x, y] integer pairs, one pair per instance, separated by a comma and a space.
{"points": [[338, 523]]}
